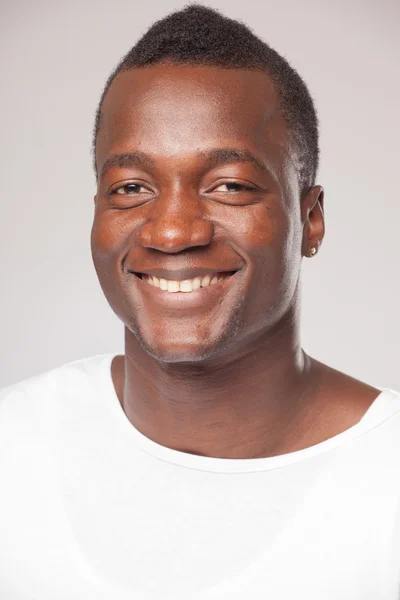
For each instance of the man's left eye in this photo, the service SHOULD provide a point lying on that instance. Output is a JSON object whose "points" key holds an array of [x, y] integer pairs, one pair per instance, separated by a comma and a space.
{"points": [[237, 187]]}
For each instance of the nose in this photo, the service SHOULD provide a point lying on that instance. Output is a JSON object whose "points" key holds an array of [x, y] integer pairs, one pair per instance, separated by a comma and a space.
{"points": [[176, 221]]}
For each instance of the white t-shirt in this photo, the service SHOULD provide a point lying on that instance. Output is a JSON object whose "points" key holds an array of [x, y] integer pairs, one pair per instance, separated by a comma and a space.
{"points": [[91, 509]]}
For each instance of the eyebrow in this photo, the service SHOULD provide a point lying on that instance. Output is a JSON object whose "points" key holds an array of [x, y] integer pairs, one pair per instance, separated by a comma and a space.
{"points": [[127, 159], [212, 158]]}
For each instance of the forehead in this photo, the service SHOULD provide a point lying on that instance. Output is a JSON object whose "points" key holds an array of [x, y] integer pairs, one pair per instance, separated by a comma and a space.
{"points": [[174, 109]]}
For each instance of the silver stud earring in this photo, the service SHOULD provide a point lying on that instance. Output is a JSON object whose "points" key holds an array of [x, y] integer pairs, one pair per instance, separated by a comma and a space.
{"points": [[313, 251]]}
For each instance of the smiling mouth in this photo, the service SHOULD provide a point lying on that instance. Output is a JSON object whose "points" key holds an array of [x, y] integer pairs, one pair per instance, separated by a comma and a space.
{"points": [[186, 286]]}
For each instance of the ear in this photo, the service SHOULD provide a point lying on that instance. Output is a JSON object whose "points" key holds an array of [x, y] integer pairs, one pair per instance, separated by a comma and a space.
{"points": [[312, 218]]}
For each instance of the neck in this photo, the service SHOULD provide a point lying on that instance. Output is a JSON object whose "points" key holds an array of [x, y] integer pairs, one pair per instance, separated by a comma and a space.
{"points": [[247, 407]]}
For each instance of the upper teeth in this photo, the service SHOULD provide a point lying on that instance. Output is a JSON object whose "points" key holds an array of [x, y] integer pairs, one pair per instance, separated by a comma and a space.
{"points": [[188, 285]]}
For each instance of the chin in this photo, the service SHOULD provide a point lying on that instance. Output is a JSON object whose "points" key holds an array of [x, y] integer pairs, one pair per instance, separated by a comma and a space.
{"points": [[180, 347], [178, 351], [183, 341]]}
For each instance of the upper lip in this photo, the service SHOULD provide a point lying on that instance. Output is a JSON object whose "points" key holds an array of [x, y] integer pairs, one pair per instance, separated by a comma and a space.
{"points": [[182, 274]]}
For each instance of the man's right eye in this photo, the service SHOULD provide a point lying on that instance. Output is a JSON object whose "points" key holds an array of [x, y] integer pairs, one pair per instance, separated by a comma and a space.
{"points": [[129, 189]]}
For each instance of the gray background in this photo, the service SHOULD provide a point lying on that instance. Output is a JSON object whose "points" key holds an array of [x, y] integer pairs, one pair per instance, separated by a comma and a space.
{"points": [[55, 58]]}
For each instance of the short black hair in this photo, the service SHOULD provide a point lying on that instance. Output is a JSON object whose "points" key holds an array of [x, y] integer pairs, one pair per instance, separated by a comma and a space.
{"points": [[199, 35]]}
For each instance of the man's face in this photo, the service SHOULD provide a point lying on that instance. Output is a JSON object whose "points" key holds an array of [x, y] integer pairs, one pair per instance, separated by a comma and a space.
{"points": [[193, 209]]}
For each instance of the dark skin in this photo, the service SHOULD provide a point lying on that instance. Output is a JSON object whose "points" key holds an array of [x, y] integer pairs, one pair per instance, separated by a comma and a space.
{"points": [[225, 377]]}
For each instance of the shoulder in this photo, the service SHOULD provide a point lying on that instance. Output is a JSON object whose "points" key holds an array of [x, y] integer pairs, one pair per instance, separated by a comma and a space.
{"points": [[40, 392], [344, 394], [340, 402]]}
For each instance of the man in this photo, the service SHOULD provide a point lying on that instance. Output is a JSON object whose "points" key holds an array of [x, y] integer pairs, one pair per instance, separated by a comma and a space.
{"points": [[215, 459]]}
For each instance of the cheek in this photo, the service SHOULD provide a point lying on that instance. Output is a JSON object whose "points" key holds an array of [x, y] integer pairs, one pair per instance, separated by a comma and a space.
{"points": [[264, 228], [288, 262], [261, 224], [292, 236], [274, 249], [109, 235], [109, 232]]}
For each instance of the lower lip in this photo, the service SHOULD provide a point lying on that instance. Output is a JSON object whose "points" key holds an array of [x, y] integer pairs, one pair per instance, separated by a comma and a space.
{"points": [[204, 296]]}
